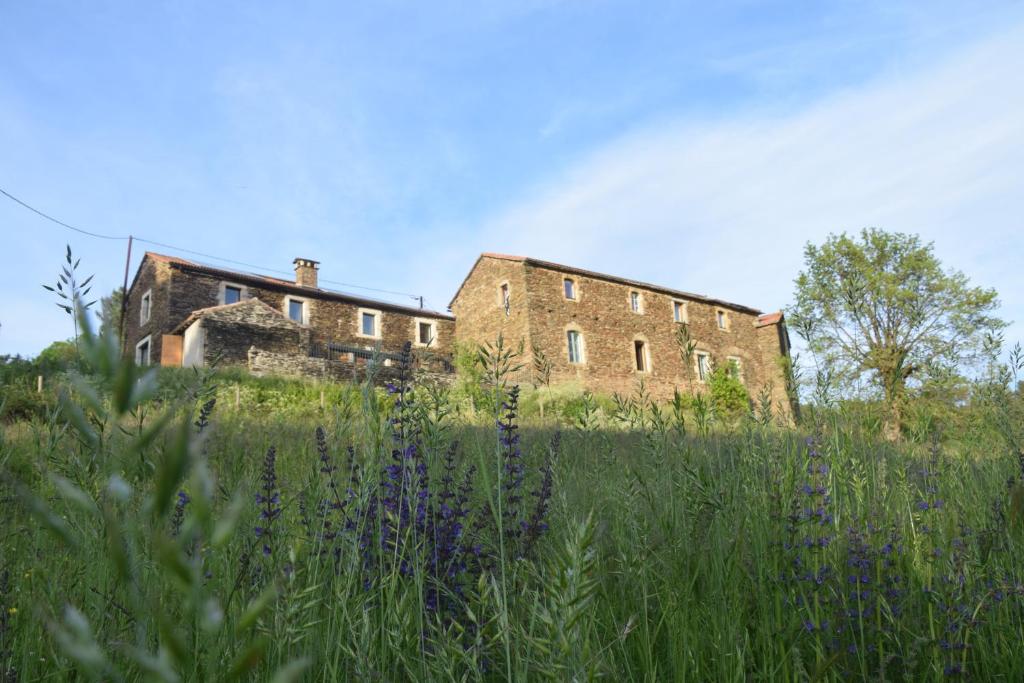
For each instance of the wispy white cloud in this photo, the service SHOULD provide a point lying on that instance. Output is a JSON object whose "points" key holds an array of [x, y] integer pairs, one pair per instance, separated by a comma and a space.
{"points": [[725, 207]]}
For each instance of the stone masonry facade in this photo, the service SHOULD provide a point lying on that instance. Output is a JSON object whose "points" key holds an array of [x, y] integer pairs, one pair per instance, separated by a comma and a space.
{"points": [[624, 330], [600, 332], [171, 297]]}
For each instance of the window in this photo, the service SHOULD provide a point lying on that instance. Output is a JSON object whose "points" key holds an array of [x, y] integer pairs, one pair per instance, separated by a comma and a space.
{"points": [[369, 323], [297, 310], [575, 347], [640, 355], [634, 302], [145, 307], [723, 320], [570, 288], [142, 352], [703, 366], [679, 311], [232, 294], [426, 332], [735, 367], [504, 299]]}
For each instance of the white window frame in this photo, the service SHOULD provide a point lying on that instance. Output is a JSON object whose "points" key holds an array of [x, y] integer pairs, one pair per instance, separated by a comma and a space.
{"points": [[739, 367], [148, 339], [378, 323], [646, 358], [305, 308], [581, 347], [697, 356], [146, 307], [416, 322], [684, 310], [639, 310], [575, 289], [243, 292]]}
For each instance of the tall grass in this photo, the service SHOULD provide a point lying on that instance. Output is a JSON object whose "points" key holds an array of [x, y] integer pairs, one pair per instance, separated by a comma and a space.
{"points": [[154, 534]]}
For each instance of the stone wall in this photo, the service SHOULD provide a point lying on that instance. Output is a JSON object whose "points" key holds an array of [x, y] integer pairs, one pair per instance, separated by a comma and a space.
{"points": [[153, 276], [328, 320], [351, 369], [180, 288], [479, 313], [601, 313], [230, 331]]}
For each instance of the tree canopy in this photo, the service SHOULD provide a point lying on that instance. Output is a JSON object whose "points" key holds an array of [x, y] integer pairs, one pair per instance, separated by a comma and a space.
{"points": [[882, 306]]}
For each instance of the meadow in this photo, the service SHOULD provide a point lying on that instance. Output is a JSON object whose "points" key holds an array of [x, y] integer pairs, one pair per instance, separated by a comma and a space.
{"points": [[153, 530]]}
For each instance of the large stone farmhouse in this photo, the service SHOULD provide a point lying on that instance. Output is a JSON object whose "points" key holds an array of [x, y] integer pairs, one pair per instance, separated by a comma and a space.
{"points": [[602, 332], [606, 332]]}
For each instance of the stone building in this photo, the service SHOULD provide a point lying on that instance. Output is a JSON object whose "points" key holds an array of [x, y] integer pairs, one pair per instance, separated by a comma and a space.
{"points": [[185, 313], [605, 332], [599, 331]]}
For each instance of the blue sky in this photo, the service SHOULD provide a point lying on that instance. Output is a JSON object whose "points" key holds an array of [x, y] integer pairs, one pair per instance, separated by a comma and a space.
{"points": [[696, 145]]}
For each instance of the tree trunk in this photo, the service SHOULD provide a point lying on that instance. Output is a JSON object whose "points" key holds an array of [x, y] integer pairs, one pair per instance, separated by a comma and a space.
{"points": [[893, 424]]}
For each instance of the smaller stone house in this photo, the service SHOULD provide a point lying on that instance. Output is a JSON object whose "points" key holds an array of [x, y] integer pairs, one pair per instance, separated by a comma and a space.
{"points": [[184, 313]]}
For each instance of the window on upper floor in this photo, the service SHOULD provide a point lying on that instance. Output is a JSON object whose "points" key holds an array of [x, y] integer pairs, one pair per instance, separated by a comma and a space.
{"points": [[722, 318], [679, 311], [145, 307], [426, 333], [369, 323], [569, 287], [297, 310], [636, 303], [232, 294], [504, 298], [575, 346]]}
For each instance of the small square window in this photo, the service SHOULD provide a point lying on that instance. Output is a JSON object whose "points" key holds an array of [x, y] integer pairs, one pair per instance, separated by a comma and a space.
{"points": [[570, 288], [369, 324], [426, 334], [297, 310], [232, 294], [634, 301], [575, 348]]}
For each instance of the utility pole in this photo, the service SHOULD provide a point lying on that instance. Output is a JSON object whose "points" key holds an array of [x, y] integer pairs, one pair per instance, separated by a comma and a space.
{"points": [[124, 295]]}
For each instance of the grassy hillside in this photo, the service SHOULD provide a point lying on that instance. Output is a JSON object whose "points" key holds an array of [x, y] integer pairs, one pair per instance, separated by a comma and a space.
{"points": [[155, 530]]}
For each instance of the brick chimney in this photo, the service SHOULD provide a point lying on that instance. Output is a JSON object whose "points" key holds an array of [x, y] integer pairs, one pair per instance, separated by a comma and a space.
{"points": [[305, 272]]}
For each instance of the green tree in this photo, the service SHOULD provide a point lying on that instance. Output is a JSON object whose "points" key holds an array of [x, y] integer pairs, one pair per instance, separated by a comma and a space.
{"points": [[881, 307], [728, 395], [110, 313]]}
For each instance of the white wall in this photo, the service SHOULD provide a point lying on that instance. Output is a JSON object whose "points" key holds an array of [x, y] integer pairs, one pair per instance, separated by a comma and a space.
{"points": [[194, 345]]}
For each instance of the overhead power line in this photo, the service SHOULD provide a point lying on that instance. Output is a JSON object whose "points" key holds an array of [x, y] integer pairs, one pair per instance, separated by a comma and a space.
{"points": [[62, 223], [193, 252]]}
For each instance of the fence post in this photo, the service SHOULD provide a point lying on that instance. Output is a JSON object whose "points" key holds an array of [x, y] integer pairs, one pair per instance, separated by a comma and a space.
{"points": [[238, 396], [39, 384], [321, 399]]}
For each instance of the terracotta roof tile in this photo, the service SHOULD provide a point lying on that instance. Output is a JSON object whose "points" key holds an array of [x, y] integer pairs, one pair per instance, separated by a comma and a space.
{"points": [[769, 318]]}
